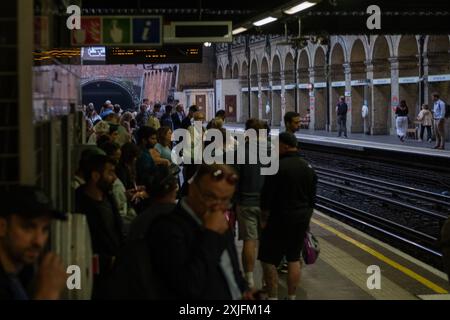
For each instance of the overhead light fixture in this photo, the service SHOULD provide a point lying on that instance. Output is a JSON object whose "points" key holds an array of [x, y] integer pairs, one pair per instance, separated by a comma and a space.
{"points": [[238, 30], [207, 44], [264, 21], [300, 7]]}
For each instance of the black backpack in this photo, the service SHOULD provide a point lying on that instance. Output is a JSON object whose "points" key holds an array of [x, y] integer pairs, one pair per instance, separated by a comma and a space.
{"points": [[133, 277], [447, 110]]}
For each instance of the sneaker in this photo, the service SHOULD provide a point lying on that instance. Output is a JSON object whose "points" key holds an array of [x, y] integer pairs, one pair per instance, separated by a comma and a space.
{"points": [[420, 140], [283, 268], [429, 140]]}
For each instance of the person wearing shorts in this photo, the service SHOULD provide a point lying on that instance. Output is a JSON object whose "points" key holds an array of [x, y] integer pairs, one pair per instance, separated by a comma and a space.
{"points": [[287, 202]]}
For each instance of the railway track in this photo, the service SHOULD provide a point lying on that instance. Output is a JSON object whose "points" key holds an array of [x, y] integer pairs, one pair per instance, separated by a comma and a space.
{"points": [[407, 217]]}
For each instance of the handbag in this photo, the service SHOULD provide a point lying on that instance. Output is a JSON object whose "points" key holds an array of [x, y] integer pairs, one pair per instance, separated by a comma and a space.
{"points": [[311, 248]]}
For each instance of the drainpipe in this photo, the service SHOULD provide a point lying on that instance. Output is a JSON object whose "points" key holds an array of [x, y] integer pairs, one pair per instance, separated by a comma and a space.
{"points": [[327, 74], [296, 79], [247, 48], [421, 72]]}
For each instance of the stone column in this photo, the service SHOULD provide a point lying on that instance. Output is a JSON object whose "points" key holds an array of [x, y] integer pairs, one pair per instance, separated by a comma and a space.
{"points": [[426, 73], [270, 115], [368, 95], [348, 99], [283, 99], [312, 99], [395, 91], [260, 111]]}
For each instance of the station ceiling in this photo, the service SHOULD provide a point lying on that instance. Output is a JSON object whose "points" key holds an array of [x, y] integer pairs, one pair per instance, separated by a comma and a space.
{"points": [[327, 17]]}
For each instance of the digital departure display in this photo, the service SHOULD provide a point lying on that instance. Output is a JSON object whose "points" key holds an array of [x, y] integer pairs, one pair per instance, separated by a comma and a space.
{"points": [[165, 54]]}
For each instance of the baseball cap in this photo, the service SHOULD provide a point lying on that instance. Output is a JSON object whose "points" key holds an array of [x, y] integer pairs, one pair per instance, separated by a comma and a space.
{"points": [[106, 113], [29, 202]]}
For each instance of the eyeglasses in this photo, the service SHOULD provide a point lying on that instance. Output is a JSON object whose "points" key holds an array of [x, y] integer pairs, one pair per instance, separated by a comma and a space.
{"points": [[210, 199]]}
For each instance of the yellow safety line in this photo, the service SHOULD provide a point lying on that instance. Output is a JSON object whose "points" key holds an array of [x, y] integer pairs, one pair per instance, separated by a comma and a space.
{"points": [[383, 258]]}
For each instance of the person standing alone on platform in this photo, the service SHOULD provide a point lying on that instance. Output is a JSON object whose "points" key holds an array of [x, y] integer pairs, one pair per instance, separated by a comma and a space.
{"points": [[287, 202], [439, 121], [401, 120], [365, 116], [341, 113]]}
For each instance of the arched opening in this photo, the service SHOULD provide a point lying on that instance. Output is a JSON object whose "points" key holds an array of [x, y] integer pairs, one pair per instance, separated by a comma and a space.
{"points": [[228, 72], [265, 90], [276, 92], [381, 89], [303, 80], [409, 75], [219, 73], [438, 53], [235, 71], [337, 81], [320, 87], [99, 91], [359, 86], [254, 88], [289, 83], [245, 94]]}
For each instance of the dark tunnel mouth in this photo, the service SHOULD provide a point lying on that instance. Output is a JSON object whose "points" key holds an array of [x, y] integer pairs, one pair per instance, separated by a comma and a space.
{"points": [[99, 91]]}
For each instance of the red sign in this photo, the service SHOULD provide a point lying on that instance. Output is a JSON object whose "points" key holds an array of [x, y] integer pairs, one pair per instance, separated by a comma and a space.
{"points": [[90, 32]]}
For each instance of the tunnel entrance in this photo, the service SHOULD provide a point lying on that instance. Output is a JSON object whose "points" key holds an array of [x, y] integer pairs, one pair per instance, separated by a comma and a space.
{"points": [[99, 91]]}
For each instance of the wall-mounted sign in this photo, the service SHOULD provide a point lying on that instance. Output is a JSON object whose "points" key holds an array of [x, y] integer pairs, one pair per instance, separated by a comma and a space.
{"points": [[439, 78], [408, 80], [382, 81], [320, 85], [359, 83], [337, 84], [118, 30]]}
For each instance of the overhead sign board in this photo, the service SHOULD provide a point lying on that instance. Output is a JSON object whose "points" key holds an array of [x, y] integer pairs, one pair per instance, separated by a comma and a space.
{"points": [[118, 31], [165, 54], [198, 32]]}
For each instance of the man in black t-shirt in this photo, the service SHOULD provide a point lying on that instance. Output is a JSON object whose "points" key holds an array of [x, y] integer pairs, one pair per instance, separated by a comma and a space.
{"points": [[341, 113], [94, 199], [287, 202]]}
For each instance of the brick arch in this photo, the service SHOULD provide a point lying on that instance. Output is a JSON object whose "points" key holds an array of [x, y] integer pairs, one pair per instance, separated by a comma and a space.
{"points": [[278, 56], [375, 41], [305, 52], [340, 42], [227, 74], [127, 98], [319, 49], [235, 72], [219, 74], [365, 47]]}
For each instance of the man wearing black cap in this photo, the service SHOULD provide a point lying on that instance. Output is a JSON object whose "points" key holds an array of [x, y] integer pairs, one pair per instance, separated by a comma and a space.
{"points": [[287, 202], [24, 229]]}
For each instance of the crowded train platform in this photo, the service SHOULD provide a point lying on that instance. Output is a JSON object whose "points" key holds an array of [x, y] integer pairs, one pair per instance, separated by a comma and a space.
{"points": [[200, 152]]}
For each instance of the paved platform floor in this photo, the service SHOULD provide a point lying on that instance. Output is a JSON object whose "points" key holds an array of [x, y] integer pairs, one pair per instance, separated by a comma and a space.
{"points": [[359, 140], [341, 272]]}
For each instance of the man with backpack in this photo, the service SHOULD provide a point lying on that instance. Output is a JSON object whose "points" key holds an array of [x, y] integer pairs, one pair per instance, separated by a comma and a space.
{"points": [[439, 121]]}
